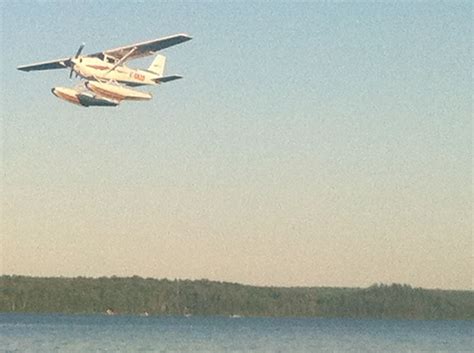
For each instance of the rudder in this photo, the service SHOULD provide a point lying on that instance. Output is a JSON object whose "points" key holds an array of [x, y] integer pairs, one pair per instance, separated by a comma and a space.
{"points": [[158, 65]]}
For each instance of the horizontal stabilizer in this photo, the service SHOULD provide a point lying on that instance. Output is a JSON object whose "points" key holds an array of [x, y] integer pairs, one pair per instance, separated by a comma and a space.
{"points": [[167, 78]]}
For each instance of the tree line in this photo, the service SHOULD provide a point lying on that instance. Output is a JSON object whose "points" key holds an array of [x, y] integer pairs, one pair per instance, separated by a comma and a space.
{"points": [[136, 295]]}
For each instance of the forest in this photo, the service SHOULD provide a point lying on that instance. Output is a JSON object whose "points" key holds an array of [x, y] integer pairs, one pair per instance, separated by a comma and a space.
{"points": [[136, 296]]}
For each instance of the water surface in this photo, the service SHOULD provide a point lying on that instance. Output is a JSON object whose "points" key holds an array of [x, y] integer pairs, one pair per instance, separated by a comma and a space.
{"points": [[99, 333]]}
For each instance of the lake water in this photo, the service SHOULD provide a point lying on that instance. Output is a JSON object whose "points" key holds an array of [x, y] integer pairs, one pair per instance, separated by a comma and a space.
{"points": [[98, 333]]}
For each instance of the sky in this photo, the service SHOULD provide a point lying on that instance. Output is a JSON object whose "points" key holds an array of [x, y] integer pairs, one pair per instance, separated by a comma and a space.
{"points": [[309, 144]]}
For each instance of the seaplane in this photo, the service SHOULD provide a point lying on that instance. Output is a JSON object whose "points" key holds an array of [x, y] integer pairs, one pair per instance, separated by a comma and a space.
{"points": [[108, 81]]}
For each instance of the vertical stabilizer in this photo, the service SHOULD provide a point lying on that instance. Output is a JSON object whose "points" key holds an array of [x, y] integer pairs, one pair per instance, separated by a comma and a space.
{"points": [[158, 65]]}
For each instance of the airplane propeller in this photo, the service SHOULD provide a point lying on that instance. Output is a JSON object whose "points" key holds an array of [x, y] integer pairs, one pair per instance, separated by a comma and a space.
{"points": [[79, 51]]}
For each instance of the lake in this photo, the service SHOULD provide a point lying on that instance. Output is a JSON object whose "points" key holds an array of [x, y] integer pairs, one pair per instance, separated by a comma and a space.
{"points": [[100, 333]]}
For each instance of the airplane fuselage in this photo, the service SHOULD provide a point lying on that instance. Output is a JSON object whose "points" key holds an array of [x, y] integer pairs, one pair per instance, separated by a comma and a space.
{"points": [[96, 69]]}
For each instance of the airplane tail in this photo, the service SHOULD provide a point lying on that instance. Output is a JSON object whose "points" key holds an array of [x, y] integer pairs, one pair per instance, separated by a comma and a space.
{"points": [[158, 65]]}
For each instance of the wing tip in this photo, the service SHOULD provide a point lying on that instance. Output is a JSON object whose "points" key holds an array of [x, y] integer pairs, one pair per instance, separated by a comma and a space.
{"points": [[185, 36]]}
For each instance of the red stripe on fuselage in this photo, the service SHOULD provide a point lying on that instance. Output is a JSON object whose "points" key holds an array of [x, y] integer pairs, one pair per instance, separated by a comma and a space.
{"points": [[98, 67]]}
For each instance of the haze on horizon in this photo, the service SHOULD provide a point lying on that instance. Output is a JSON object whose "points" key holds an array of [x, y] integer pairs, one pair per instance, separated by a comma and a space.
{"points": [[309, 144]]}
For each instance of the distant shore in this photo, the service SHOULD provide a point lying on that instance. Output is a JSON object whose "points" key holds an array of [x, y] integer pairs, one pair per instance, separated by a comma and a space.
{"points": [[139, 296]]}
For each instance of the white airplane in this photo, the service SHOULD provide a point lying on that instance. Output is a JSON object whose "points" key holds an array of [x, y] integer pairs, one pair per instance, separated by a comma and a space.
{"points": [[107, 75]]}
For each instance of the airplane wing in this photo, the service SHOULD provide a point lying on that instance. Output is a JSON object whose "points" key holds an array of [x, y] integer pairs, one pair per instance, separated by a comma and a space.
{"points": [[139, 50], [47, 65], [129, 52]]}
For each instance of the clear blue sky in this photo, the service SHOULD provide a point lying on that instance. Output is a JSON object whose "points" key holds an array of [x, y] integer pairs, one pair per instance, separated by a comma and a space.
{"points": [[308, 144]]}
